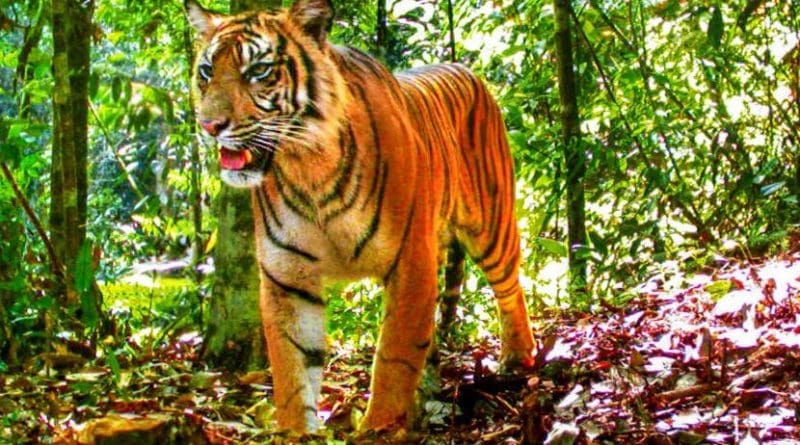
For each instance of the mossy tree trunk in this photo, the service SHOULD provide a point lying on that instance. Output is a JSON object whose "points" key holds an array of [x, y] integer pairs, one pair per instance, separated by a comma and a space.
{"points": [[234, 337], [573, 151], [71, 25]]}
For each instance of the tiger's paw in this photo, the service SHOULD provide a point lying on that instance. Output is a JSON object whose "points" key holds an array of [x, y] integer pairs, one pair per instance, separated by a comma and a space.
{"points": [[382, 424], [524, 360], [295, 426]]}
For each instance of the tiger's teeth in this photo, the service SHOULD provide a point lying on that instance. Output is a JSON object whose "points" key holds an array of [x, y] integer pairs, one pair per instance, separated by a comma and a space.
{"points": [[247, 156]]}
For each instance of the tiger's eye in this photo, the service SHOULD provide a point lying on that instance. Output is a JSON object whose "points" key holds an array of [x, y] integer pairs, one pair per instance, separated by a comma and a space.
{"points": [[205, 71], [258, 71]]}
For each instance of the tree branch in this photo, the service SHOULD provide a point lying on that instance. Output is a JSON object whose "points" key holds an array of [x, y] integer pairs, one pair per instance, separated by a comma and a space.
{"points": [[56, 265]]}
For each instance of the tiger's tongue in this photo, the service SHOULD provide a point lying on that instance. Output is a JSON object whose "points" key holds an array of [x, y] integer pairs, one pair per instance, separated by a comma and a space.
{"points": [[233, 159]]}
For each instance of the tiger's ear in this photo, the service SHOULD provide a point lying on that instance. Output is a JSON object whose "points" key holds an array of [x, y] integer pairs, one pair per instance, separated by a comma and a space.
{"points": [[205, 22], [314, 16]]}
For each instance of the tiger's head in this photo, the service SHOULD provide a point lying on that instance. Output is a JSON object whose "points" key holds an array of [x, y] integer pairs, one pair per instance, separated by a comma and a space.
{"points": [[267, 86]]}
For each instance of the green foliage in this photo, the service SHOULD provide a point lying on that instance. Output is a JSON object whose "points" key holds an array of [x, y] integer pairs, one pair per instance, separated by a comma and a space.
{"points": [[353, 312], [149, 300]]}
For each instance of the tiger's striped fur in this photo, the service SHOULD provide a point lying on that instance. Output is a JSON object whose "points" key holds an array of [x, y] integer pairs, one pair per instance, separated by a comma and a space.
{"points": [[357, 173]]}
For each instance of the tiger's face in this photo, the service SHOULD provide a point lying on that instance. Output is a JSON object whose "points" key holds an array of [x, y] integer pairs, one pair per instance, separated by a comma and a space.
{"points": [[266, 85]]}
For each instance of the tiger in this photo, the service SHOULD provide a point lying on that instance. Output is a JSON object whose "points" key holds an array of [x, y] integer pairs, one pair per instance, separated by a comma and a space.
{"points": [[357, 173]]}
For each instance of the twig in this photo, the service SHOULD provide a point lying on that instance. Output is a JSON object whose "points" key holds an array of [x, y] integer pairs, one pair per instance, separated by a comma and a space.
{"points": [[691, 391], [501, 401], [504, 430]]}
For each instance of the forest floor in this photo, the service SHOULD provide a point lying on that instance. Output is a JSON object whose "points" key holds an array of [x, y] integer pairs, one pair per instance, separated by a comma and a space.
{"points": [[711, 357]]}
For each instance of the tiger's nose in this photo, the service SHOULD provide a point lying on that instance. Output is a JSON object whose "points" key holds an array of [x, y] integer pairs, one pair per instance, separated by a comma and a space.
{"points": [[214, 126]]}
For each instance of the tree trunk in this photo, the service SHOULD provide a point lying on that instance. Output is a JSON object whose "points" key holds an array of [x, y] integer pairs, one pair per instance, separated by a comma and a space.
{"points": [[573, 152], [71, 24], [234, 337], [197, 171], [381, 31]]}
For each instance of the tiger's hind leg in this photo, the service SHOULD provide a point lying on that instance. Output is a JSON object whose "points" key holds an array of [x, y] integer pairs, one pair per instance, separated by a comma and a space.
{"points": [[500, 263]]}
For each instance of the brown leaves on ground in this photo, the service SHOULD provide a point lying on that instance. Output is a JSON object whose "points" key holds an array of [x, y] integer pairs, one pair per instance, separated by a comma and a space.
{"points": [[707, 358], [714, 361]]}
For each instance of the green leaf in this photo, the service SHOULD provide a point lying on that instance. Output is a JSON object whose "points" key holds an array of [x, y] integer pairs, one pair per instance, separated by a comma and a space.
{"points": [[113, 363], [84, 277], [772, 188], [555, 247], [718, 289], [94, 84], [117, 57], [83, 268], [598, 243], [715, 28]]}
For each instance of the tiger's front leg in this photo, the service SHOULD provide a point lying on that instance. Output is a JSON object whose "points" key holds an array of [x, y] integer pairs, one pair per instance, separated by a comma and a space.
{"points": [[406, 334], [294, 324]]}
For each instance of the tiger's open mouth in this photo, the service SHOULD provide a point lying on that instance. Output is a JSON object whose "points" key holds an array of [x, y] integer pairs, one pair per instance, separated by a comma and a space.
{"points": [[243, 159], [235, 159]]}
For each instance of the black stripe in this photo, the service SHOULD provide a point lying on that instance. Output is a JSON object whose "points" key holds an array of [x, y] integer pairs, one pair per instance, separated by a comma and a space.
{"points": [[345, 167], [403, 240], [376, 144], [448, 186], [299, 293], [310, 109], [457, 77], [424, 344], [314, 357], [272, 212], [480, 171], [493, 244], [375, 141], [471, 117], [496, 232], [399, 361], [349, 202], [248, 32], [508, 271], [258, 105], [308, 212], [294, 394], [376, 218], [271, 235], [369, 62], [281, 47], [311, 89], [291, 67]]}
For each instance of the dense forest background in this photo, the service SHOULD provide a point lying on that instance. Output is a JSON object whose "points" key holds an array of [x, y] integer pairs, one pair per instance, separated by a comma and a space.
{"points": [[682, 148]]}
